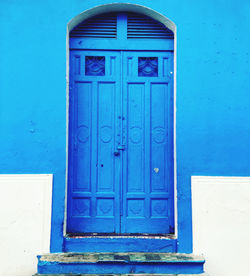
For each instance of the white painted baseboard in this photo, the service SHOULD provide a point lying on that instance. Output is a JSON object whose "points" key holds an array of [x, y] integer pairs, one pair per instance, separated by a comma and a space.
{"points": [[221, 223], [25, 215]]}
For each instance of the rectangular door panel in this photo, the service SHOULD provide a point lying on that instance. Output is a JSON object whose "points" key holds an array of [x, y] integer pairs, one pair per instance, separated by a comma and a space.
{"points": [[82, 161], [106, 135], [159, 137], [135, 138]]}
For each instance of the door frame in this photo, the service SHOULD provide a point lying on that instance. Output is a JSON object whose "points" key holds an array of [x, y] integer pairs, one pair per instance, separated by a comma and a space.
{"points": [[183, 214], [136, 9]]}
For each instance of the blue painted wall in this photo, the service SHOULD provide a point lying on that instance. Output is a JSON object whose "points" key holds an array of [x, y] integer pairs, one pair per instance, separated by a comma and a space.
{"points": [[213, 110]]}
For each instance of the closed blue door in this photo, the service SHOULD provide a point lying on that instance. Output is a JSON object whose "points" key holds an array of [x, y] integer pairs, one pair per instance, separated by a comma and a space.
{"points": [[147, 182], [94, 172], [120, 142]]}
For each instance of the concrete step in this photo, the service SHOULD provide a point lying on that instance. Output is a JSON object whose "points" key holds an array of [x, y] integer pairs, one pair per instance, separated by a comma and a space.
{"points": [[135, 263]]}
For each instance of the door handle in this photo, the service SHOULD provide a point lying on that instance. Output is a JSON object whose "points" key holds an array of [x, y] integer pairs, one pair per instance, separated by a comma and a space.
{"points": [[121, 147], [118, 149]]}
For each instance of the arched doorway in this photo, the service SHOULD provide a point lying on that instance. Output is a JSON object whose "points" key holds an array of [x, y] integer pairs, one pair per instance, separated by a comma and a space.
{"points": [[121, 126]]}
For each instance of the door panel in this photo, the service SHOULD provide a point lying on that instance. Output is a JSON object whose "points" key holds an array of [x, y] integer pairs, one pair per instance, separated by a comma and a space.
{"points": [[147, 160], [94, 177], [120, 143]]}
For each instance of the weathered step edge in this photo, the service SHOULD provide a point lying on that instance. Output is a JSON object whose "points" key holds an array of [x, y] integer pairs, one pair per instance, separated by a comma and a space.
{"points": [[120, 263], [131, 257]]}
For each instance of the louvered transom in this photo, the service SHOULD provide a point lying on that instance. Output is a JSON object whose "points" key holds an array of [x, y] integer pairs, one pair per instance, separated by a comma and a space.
{"points": [[102, 26], [121, 26], [140, 26]]}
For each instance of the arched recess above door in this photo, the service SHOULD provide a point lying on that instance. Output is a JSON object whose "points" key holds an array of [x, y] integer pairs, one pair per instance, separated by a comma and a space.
{"points": [[121, 7]]}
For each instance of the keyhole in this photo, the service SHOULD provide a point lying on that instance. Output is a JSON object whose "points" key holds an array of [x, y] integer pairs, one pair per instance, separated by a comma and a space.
{"points": [[101, 165]]}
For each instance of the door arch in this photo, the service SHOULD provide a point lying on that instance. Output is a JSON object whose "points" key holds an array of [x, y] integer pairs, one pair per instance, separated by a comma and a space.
{"points": [[120, 168]]}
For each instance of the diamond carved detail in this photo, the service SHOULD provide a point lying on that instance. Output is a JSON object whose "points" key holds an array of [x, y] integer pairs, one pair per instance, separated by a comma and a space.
{"points": [[135, 210], [148, 66], [94, 66], [105, 208], [81, 207], [159, 208]]}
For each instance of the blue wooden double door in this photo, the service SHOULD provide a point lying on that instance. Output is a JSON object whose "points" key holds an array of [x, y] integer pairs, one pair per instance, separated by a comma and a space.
{"points": [[120, 142]]}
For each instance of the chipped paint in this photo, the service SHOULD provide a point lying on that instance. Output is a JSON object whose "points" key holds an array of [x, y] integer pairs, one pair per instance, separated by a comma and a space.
{"points": [[120, 257], [121, 263]]}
